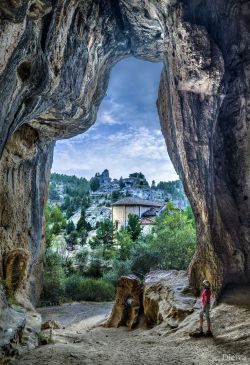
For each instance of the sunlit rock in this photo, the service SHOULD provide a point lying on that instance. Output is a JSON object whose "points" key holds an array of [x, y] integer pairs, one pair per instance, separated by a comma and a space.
{"points": [[128, 306], [167, 297]]}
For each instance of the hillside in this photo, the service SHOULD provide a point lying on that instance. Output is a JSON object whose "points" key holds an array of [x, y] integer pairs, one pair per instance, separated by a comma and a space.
{"points": [[72, 193]]}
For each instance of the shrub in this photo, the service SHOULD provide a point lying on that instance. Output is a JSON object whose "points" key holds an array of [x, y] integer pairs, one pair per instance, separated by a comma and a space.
{"points": [[96, 267], [119, 268], [79, 288], [54, 276], [144, 259]]}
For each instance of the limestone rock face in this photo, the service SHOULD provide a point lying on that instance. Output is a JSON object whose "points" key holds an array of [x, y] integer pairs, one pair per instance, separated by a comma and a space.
{"points": [[167, 297], [55, 61], [128, 304], [164, 296]]}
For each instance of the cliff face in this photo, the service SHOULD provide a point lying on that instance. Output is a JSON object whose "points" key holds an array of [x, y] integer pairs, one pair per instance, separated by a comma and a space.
{"points": [[55, 61]]}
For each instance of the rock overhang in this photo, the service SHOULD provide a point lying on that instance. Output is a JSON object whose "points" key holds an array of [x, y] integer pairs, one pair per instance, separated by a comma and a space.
{"points": [[55, 66]]}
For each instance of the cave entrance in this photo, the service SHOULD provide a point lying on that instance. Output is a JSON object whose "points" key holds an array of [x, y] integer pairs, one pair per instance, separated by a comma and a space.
{"points": [[125, 170]]}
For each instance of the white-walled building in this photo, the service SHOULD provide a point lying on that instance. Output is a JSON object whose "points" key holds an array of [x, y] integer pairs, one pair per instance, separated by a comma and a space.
{"points": [[123, 207]]}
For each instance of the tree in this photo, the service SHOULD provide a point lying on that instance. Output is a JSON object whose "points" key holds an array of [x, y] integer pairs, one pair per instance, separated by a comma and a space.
{"points": [[81, 259], [174, 238], [53, 193], [94, 183], [134, 227], [115, 196], [124, 242], [82, 224], [70, 227], [138, 175], [121, 183], [104, 238], [73, 237]]}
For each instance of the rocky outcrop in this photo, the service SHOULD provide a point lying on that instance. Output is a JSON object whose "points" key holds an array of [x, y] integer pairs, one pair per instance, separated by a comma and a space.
{"points": [[128, 303], [167, 297], [55, 62], [164, 296]]}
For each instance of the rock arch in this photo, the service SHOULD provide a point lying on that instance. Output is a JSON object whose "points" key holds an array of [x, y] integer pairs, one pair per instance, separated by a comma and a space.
{"points": [[54, 71]]}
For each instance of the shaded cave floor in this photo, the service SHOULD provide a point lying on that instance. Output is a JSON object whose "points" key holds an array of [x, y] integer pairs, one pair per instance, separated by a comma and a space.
{"points": [[79, 343]]}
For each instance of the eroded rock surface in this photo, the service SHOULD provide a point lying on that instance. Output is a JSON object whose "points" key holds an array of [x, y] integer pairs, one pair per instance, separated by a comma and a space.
{"points": [[128, 303], [55, 61], [164, 296], [167, 297]]}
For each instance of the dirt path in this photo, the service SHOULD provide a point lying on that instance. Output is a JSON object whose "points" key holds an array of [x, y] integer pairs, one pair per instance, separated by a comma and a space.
{"points": [[79, 345], [74, 315]]}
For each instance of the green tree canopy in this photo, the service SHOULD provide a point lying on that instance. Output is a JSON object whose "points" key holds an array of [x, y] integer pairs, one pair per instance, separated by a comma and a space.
{"points": [[124, 242], [94, 184], [174, 238], [134, 227], [104, 238]]}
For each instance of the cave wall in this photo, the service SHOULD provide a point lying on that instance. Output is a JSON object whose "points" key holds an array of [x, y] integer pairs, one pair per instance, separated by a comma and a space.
{"points": [[207, 133], [24, 178], [54, 69]]}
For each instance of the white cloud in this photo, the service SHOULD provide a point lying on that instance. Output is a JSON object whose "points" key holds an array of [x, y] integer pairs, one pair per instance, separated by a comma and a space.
{"points": [[126, 136], [121, 152]]}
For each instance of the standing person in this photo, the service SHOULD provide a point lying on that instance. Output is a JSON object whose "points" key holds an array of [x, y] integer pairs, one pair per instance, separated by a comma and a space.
{"points": [[205, 307], [205, 311]]}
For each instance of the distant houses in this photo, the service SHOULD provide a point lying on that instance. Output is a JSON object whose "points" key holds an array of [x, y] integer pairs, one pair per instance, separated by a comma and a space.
{"points": [[146, 210]]}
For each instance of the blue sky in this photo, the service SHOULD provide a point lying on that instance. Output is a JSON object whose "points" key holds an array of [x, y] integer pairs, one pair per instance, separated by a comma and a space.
{"points": [[126, 136]]}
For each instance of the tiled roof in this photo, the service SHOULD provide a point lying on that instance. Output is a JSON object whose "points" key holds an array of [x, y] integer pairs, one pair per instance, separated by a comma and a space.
{"points": [[137, 201], [152, 212]]}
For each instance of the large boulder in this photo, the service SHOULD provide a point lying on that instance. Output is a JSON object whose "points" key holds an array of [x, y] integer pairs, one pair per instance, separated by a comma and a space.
{"points": [[164, 296], [127, 305], [167, 297]]}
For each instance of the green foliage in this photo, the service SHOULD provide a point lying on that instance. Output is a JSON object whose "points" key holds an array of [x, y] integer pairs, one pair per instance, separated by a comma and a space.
{"points": [[94, 184], [138, 175], [174, 188], [55, 223], [96, 268], [144, 258], [54, 276], [79, 288], [70, 227], [82, 224], [115, 196], [119, 268], [174, 238], [121, 183], [81, 259], [133, 226], [75, 191], [104, 238], [73, 238], [124, 243], [53, 193]]}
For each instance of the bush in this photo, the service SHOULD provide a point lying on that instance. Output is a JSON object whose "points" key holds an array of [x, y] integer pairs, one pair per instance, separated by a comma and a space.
{"points": [[96, 267], [78, 288], [119, 268], [144, 259], [54, 276]]}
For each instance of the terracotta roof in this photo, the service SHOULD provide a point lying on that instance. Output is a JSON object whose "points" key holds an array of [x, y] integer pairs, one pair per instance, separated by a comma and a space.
{"points": [[146, 221], [137, 201]]}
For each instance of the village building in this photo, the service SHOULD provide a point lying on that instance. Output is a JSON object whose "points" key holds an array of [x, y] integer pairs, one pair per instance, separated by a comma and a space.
{"points": [[123, 207]]}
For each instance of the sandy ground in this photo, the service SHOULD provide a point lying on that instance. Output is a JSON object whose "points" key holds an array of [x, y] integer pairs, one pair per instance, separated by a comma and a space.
{"points": [[79, 344]]}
